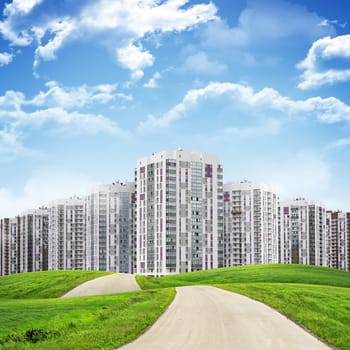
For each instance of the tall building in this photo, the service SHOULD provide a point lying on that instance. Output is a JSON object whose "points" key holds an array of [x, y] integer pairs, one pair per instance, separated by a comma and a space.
{"points": [[4, 246], [303, 234], [338, 225], [67, 235], [109, 227], [250, 224], [179, 223], [32, 232]]}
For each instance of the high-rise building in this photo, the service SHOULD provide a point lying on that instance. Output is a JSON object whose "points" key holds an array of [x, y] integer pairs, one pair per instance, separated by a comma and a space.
{"points": [[4, 246], [32, 232], [250, 224], [67, 235], [303, 234], [179, 222], [338, 226], [109, 227]]}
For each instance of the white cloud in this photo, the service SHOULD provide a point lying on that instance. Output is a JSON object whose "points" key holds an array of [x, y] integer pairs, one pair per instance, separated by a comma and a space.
{"points": [[322, 50], [200, 63], [78, 96], [5, 58], [135, 58], [120, 24], [327, 110], [42, 187], [264, 21], [61, 29], [22, 7], [153, 82]]}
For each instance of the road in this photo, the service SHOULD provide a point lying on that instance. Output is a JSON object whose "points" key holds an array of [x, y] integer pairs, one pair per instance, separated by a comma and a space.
{"points": [[115, 283], [208, 318]]}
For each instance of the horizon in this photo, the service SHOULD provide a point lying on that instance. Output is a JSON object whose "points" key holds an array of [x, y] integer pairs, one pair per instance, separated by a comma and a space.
{"points": [[87, 88]]}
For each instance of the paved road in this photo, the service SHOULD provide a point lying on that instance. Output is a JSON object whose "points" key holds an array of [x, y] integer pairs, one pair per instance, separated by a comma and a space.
{"points": [[207, 318], [115, 283]]}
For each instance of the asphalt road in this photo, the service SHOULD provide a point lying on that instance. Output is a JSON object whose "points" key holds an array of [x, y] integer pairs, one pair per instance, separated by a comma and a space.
{"points": [[208, 318], [115, 283]]}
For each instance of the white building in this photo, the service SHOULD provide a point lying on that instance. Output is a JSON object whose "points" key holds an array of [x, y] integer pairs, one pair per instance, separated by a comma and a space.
{"points": [[4, 246], [67, 234], [109, 227], [178, 212], [338, 226], [250, 224], [32, 233], [303, 234]]}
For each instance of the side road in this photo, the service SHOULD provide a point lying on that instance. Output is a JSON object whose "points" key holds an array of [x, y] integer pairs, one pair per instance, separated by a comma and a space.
{"points": [[206, 318], [115, 283]]}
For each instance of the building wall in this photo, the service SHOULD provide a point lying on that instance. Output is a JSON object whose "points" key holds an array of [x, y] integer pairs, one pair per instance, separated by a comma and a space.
{"points": [[338, 225], [250, 224], [179, 224], [109, 227], [303, 234], [67, 234], [31, 229]]}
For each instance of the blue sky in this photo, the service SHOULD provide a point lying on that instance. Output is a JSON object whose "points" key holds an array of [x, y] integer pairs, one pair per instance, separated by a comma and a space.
{"points": [[87, 87]]}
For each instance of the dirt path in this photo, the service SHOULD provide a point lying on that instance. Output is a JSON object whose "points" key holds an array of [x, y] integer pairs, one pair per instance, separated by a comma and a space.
{"points": [[207, 318], [116, 283]]}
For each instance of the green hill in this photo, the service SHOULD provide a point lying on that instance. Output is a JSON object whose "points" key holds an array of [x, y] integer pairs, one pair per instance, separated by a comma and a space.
{"points": [[304, 274], [45, 284]]}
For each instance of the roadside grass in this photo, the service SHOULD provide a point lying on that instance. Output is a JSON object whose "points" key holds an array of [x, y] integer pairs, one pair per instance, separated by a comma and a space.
{"points": [[304, 274], [99, 322], [324, 310], [46, 284]]}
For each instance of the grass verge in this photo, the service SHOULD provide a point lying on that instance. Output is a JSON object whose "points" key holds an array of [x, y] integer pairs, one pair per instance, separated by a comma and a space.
{"points": [[324, 310], [46, 284], [99, 322]]}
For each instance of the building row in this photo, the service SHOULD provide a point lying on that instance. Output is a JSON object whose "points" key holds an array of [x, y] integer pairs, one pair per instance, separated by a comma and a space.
{"points": [[177, 216]]}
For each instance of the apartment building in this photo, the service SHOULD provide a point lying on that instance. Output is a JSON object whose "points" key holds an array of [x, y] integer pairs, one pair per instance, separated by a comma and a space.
{"points": [[4, 246], [179, 218], [109, 227], [338, 226], [250, 224], [303, 234], [31, 229], [67, 235]]}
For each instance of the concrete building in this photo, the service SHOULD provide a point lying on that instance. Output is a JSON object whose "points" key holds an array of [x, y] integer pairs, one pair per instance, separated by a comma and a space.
{"points": [[338, 228], [303, 234], [4, 246], [179, 222], [31, 229], [109, 227], [250, 224], [67, 234]]}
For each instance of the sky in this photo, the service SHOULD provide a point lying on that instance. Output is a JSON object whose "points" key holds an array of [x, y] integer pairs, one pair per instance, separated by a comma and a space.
{"points": [[87, 87]]}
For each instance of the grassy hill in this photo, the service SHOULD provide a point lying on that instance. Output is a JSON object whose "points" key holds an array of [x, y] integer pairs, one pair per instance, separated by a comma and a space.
{"points": [[274, 273], [32, 317]]}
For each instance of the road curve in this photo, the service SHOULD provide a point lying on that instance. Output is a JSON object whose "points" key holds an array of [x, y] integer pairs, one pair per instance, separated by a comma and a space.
{"points": [[115, 283], [207, 318]]}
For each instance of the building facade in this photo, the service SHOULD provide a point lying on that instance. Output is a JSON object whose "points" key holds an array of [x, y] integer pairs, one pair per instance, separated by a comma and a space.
{"points": [[31, 230], [338, 226], [250, 224], [109, 227], [67, 234], [303, 235], [179, 222]]}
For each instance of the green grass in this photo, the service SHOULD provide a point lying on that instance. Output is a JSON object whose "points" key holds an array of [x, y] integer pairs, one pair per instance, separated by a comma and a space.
{"points": [[46, 284], [304, 274], [324, 310], [100, 322]]}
